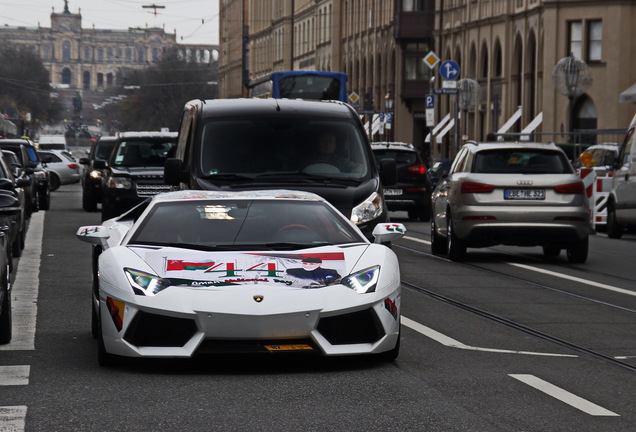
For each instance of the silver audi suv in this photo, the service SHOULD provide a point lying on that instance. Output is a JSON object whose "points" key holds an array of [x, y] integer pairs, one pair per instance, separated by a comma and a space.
{"points": [[520, 194]]}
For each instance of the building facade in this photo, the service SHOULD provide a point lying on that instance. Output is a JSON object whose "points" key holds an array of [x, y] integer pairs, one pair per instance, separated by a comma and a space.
{"points": [[507, 50], [90, 61]]}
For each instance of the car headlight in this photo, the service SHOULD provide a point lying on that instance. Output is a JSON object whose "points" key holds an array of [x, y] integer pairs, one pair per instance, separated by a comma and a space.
{"points": [[95, 174], [119, 183], [145, 283], [363, 281], [367, 210]]}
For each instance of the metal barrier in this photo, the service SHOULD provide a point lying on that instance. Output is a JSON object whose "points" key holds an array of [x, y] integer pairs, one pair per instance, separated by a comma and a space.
{"points": [[597, 189]]}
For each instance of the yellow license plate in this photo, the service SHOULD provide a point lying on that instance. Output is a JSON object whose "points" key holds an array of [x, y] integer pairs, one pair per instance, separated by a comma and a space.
{"points": [[295, 347]]}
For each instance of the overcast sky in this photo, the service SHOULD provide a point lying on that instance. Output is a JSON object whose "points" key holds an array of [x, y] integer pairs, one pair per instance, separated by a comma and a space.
{"points": [[195, 21]]}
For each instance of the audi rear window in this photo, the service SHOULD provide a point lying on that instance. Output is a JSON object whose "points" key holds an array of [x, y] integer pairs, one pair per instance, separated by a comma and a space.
{"points": [[520, 161]]}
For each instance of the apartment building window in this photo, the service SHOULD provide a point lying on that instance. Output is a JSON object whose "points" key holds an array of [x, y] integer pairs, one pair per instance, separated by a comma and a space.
{"points": [[576, 39], [595, 41], [413, 5], [87, 53], [586, 45], [414, 66], [100, 54]]}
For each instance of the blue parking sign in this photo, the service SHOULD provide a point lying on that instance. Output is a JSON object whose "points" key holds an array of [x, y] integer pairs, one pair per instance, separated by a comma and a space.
{"points": [[430, 101]]}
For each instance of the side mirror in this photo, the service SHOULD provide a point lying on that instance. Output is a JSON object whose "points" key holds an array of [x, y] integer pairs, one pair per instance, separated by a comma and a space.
{"points": [[94, 234], [388, 172], [173, 171], [23, 182], [29, 170], [84, 161], [9, 204], [388, 231], [99, 164], [6, 184]]}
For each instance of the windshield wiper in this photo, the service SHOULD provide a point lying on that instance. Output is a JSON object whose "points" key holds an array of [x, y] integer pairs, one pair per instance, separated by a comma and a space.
{"points": [[193, 246], [227, 177]]}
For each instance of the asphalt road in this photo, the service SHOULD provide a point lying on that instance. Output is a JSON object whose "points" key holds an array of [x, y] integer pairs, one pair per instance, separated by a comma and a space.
{"points": [[503, 342]]}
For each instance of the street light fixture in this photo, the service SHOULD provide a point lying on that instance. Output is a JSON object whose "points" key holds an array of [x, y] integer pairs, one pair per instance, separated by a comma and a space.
{"points": [[571, 77]]}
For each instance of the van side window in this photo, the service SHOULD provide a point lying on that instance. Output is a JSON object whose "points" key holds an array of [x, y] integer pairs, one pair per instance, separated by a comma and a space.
{"points": [[627, 149]]}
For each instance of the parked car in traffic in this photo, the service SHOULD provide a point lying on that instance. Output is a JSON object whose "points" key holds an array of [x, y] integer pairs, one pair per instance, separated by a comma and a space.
{"points": [[52, 142], [437, 171], [313, 146], [519, 194], [134, 170], [14, 223], [62, 166], [621, 203], [34, 169], [411, 192], [8, 206], [91, 178], [600, 157], [194, 272]]}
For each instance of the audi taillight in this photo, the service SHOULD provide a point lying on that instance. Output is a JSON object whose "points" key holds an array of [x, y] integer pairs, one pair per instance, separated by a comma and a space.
{"points": [[472, 187], [571, 188], [417, 169], [72, 166]]}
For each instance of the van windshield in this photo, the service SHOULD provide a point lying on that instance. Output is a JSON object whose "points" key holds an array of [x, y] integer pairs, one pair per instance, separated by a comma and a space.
{"points": [[261, 148]]}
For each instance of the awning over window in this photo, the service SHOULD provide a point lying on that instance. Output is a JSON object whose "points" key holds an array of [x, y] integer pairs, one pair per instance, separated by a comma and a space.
{"points": [[628, 96]]}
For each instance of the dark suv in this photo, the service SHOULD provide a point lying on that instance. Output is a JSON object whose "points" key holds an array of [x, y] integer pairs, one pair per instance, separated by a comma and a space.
{"points": [[250, 144], [39, 194], [134, 170], [412, 192], [92, 178]]}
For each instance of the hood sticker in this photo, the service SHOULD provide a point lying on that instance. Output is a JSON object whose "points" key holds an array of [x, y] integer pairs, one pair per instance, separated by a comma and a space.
{"points": [[303, 270]]}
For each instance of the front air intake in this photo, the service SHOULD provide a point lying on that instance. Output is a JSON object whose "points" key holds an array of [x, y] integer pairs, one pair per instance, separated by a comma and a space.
{"points": [[148, 329], [352, 328]]}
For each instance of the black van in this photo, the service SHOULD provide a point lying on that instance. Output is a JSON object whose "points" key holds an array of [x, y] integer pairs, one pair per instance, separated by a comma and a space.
{"points": [[314, 146]]}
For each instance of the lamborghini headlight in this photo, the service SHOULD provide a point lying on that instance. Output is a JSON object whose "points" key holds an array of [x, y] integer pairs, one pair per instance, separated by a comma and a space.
{"points": [[145, 283], [364, 281], [367, 210]]}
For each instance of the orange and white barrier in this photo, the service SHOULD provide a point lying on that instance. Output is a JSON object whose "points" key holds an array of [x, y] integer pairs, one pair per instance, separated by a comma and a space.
{"points": [[597, 189]]}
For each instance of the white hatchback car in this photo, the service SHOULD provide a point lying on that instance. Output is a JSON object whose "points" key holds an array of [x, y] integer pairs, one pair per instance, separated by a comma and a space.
{"points": [[520, 194], [62, 166]]}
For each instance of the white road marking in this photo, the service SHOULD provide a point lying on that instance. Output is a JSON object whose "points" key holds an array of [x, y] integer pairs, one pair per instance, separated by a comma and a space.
{"points": [[14, 375], [575, 279], [417, 240], [563, 395], [12, 418], [24, 293], [452, 343]]}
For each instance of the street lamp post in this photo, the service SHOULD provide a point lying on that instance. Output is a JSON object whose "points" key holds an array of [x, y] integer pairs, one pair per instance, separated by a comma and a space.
{"points": [[571, 77]]}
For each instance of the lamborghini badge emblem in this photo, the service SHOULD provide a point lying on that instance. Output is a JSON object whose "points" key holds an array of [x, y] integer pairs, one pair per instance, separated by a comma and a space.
{"points": [[258, 298]]}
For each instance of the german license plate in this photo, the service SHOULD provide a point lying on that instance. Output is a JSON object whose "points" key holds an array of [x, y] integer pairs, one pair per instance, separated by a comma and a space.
{"points": [[292, 347], [524, 194], [393, 192]]}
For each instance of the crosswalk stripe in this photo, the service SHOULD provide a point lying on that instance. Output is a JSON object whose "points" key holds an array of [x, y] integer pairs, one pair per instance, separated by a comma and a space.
{"points": [[12, 418], [14, 375]]}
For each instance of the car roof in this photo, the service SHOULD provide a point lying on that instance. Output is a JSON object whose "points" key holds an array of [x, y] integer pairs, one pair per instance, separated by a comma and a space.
{"points": [[510, 145], [607, 146], [148, 134], [277, 194], [261, 106], [22, 141], [390, 145]]}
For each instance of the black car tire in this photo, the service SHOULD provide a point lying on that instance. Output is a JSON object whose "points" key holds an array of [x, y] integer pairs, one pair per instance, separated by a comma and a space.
{"points": [[577, 252], [104, 358], [54, 182], [89, 203], [551, 251], [5, 318], [438, 245], [614, 229], [16, 250], [455, 248], [392, 354], [44, 201]]}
